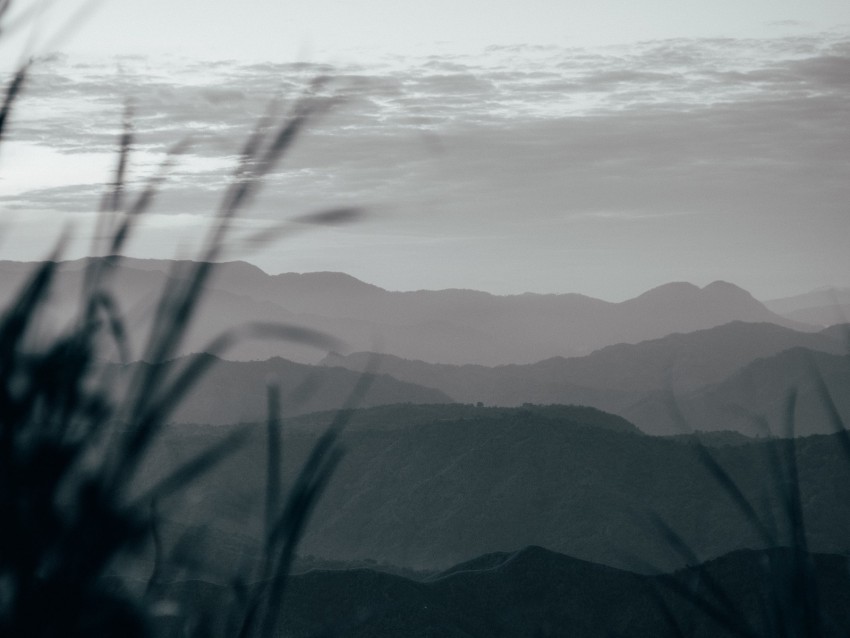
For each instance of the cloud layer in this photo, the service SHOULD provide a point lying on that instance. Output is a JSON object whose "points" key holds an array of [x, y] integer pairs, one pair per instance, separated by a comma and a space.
{"points": [[602, 171]]}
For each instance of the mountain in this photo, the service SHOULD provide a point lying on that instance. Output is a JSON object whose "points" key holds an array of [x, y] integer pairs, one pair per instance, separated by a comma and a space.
{"points": [[760, 389], [824, 307], [236, 391], [613, 378], [828, 296], [445, 326], [534, 592], [826, 315], [716, 376], [407, 415], [429, 493]]}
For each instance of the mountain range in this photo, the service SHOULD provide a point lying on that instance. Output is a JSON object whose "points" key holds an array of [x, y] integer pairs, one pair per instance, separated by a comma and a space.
{"points": [[823, 307], [504, 442], [534, 592], [236, 391], [755, 399], [677, 340], [720, 378], [444, 326], [714, 375], [425, 487]]}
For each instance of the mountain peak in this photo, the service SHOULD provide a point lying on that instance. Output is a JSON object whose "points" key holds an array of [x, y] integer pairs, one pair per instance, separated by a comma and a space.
{"points": [[726, 288], [669, 290], [715, 289], [326, 279]]}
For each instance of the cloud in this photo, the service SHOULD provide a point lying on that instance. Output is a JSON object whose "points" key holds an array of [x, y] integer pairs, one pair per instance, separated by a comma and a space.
{"points": [[626, 215], [711, 138], [786, 23]]}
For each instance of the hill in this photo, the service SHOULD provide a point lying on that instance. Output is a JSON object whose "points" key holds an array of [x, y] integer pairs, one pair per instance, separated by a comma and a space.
{"points": [[635, 380], [825, 306], [445, 326], [429, 494], [236, 391], [393, 417], [534, 592], [759, 391], [703, 373]]}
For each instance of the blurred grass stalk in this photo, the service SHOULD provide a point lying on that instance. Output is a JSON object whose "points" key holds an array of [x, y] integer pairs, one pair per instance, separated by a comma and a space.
{"points": [[71, 444], [790, 598]]}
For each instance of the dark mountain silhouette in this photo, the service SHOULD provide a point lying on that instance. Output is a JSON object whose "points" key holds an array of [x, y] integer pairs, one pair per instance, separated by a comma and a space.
{"points": [[448, 326], [533, 592], [428, 495], [406, 415]]}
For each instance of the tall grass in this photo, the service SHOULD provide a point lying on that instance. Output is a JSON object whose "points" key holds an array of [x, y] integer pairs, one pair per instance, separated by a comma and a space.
{"points": [[73, 437], [790, 604]]}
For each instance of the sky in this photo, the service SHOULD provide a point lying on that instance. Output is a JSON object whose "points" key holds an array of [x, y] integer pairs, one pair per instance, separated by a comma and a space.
{"points": [[545, 146]]}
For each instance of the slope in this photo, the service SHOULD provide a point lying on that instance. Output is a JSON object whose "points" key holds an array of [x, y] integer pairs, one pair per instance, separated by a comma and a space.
{"points": [[427, 495], [611, 378], [534, 592]]}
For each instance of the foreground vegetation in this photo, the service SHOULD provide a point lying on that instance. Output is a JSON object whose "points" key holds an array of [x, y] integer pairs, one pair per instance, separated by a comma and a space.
{"points": [[78, 525]]}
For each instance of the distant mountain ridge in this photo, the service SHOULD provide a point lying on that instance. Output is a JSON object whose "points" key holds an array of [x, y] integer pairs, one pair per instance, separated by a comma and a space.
{"points": [[824, 307], [718, 379], [636, 381], [754, 399], [446, 326], [236, 391]]}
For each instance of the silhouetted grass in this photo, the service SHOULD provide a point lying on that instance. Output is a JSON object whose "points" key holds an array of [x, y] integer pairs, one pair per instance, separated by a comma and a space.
{"points": [[790, 604], [72, 441]]}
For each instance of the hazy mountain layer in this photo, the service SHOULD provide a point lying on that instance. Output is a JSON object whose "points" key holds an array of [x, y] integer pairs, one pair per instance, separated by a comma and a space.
{"points": [[827, 315], [429, 495], [448, 326], [236, 391], [754, 400], [826, 306], [826, 296], [629, 380], [638, 381]]}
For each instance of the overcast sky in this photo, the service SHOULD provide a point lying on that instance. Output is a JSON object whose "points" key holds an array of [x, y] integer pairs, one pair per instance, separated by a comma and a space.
{"points": [[543, 145]]}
